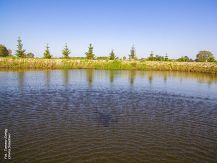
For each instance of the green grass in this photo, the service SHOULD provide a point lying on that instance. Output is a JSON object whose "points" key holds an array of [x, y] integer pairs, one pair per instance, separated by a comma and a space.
{"points": [[38, 63]]}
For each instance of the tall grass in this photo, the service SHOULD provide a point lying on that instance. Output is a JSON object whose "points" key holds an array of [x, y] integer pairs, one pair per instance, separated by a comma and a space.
{"points": [[36, 63]]}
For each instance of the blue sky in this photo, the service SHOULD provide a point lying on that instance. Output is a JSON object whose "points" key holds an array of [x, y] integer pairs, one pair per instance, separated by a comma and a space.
{"points": [[175, 27]]}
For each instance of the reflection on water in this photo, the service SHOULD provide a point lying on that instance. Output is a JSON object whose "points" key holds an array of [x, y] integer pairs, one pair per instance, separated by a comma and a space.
{"points": [[111, 76], [66, 77], [47, 77], [209, 79], [109, 116], [89, 74], [150, 77], [132, 76], [165, 78], [20, 76]]}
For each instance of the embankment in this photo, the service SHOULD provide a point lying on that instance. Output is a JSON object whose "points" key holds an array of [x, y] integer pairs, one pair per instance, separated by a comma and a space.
{"points": [[36, 63]]}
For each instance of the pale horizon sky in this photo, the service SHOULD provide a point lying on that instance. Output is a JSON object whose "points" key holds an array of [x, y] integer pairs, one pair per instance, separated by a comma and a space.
{"points": [[178, 28]]}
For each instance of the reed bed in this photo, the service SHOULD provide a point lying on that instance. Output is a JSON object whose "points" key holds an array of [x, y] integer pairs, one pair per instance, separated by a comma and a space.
{"points": [[36, 63]]}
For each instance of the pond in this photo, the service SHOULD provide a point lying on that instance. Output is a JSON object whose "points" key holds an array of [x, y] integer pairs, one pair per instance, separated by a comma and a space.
{"points": [[109, 116]]}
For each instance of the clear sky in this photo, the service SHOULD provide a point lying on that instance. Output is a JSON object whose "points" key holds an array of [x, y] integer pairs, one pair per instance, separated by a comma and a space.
{"points": [[175, 27]]}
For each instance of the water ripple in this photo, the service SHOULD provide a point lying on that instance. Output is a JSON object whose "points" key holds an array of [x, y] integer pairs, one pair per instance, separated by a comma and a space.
{"points": [[123, 123]]}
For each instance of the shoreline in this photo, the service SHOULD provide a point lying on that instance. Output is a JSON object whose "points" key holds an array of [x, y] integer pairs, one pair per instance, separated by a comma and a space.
{"points": [[44, 64]]}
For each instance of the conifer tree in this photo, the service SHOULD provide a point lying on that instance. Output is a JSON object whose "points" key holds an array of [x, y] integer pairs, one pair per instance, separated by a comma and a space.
{"points": [[90, 54], [151, 56], [132, 53], [112, 55], [47, 53], [166, 57], [20, 52], [66, 52]]}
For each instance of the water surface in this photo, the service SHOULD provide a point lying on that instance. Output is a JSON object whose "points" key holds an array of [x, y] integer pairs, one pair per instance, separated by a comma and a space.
{"points": [[109, 116]]}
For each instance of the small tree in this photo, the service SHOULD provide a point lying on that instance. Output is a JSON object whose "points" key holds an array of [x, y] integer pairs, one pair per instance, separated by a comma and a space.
{"points": [[204, 56], [20, 52], [3, 51], [166, 57], [184, 59], [90, 54], [66, 52], [112, 55], [151, 57], [29, 55], [159, 58], [47, 53], [132, 53], [102, 58]]}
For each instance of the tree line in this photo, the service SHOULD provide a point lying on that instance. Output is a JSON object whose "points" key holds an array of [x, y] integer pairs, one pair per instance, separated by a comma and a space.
{"points": [[202, 56]]}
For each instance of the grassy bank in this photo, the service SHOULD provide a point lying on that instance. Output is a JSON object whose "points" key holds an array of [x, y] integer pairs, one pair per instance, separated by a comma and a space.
{"points": [[24, 63]]}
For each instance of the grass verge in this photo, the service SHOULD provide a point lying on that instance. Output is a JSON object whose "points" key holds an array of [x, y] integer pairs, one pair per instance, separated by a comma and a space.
{"points": [[36, 63]]}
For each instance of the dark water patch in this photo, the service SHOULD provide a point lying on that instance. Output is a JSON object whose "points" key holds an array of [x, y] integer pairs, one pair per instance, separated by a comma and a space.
{"points": [[78, 116]]}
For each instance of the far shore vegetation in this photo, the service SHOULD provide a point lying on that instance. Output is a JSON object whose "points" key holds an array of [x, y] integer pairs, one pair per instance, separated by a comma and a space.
{"points": [[204, 62]]}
